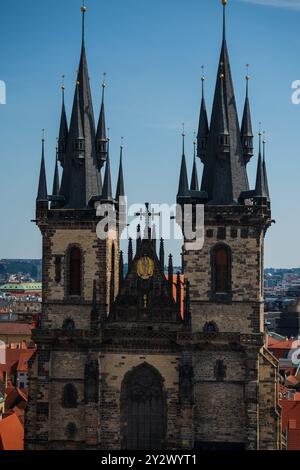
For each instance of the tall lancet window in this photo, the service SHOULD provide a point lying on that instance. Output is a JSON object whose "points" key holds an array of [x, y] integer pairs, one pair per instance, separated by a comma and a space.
{"points": [[75, 266], [221, 269]]}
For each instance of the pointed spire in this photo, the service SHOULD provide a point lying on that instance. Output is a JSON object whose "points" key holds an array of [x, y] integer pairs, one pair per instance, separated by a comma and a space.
{"points": [[101, 140], [260, 190], [224, 3], [120, 185], [246, 129], [130, 253], [223, 121], [76, 128], [265, 168], [224, 175], [170, 275], [162, 254], [178, 292], [80, 179], [107, 186], [121, 270], [83, 11], [138, 238], [187, 313], [63, 128], [55, 190], [194, 181], [183, 188], [203, 129], [42, 195]]}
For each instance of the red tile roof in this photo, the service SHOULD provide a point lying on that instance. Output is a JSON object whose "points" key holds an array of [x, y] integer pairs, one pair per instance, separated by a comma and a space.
{"points": [[23, 360], [12, 328], [11, 433], [291, 422], [16, 397]]}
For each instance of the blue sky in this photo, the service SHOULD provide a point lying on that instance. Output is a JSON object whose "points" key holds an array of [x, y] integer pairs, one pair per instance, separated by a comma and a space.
{"points": [[152, 53]]}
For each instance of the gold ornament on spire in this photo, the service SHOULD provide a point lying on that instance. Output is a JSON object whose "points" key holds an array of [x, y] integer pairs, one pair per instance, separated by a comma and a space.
{"points": [[83, 8], [224, 3], [104, 80], [63, 83], [202, 76], [247, 75]]}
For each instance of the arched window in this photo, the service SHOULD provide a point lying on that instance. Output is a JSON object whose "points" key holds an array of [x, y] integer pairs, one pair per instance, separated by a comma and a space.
{"points": [[75, 262], [221, 269], [69, 325], [71, 431], [143, 409], [210, 327], [69, 396]]}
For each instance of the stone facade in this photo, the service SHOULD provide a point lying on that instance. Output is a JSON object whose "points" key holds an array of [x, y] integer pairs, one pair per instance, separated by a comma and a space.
{"points": [[118, 364]]}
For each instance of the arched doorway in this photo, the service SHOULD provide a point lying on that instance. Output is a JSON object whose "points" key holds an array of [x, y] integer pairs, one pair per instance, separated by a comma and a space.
{"points": [[143, 410]]}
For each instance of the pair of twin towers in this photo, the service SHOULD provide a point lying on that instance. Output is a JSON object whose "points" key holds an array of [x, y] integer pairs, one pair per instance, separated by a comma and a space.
{"points": [[117, 367], [224, 148]]}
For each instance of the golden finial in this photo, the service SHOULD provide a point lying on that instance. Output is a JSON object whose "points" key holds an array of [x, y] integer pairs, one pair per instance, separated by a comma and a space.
{"points": [[224, 3], [247, 75], [202, 76], [83, 8], [63, 83], [43, 135], [103, 81]]}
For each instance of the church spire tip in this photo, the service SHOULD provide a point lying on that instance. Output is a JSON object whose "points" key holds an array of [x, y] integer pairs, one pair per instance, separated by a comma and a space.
{"points": [[83, 11]]}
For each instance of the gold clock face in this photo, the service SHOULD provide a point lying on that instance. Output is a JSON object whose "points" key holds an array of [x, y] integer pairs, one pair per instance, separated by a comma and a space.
{"points": [[145, 267]]}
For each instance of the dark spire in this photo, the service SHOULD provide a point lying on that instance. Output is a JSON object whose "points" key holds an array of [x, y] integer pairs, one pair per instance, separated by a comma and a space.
{"points": [[120, 185], [100, 183], [194, 181], [138, 238], [63, 129], [178, 292], [80, 181], [222, 124], [42, 195], [101, 139], [130, 253], [162, 254], [224, 3], [183, 188], [265, 169], [76, 127], [246, 130], [55, 190], [187, 314], [107, 187], [203, 129], [170, 275], [83, 10], [121, 270], [260, 189], [224, 174]]}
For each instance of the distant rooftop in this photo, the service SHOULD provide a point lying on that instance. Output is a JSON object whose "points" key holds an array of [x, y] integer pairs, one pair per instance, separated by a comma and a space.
{"points": [[27, 286]]}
